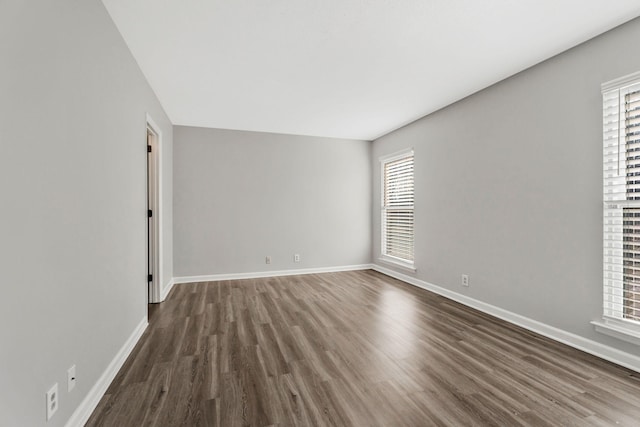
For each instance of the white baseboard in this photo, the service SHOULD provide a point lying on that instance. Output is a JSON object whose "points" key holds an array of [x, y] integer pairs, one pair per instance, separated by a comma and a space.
{"points": [[589, 346], [88, 405], [164, 292], [261, 274]]}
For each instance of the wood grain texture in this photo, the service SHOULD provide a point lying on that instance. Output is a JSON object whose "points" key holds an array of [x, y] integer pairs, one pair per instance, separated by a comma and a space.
{"points": [[352, 349]]}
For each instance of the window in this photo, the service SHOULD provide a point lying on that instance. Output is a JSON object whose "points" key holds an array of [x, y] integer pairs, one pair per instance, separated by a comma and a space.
{"points": [[397, 208], [621, 136]]}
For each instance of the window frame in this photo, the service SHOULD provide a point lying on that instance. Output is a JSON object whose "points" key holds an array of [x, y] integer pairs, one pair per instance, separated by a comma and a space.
{"points": [[614, 324], [405, 264]]}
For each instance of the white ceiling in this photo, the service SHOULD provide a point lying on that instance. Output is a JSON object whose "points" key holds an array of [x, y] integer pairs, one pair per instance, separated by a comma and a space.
{"points": [[342, 68]]}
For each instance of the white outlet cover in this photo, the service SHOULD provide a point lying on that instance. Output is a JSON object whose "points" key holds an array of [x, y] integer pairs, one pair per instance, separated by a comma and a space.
{"points": [[52, 401]]}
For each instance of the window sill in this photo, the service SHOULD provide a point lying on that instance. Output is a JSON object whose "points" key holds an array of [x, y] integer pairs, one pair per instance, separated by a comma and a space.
{"points": [[397, 263], [617, 329]]}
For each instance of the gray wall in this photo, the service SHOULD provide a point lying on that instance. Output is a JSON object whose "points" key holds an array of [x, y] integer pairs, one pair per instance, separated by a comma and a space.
{"points": [[72, 184], [240, 196], [509, 188]]}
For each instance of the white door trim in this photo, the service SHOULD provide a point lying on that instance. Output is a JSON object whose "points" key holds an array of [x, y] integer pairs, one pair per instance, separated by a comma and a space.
{"points": [[155, 293]]}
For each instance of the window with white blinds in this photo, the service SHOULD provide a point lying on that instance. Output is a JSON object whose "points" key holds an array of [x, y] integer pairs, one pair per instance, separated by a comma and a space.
{"points": [[397, 207], [621, 135]]}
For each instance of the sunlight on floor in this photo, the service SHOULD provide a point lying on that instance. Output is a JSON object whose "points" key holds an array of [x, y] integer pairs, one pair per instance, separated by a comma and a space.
{"points": [[395, 325]]}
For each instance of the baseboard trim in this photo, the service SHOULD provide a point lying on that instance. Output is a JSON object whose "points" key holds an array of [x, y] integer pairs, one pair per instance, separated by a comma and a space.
{"points": [[90, 402], [261, 274], [164, 292], [576, 341]]}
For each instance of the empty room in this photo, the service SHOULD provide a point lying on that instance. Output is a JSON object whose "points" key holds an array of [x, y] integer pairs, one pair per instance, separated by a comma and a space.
{"points": [[319, 213]]}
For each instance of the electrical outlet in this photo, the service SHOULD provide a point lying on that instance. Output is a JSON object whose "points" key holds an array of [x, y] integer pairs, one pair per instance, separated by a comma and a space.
{"points": [[71, 378], [296, 258], [267, 260], [465, 280], [52, 401]]}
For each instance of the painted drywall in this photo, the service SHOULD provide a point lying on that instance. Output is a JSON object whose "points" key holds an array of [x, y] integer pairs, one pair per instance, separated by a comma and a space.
{"points": [[73, 211], [241, 196], [509, 188]]}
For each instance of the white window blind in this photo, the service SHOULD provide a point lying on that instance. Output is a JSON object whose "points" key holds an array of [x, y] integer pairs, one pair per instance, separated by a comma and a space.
{"points": [[621, 136], [397, 207]]}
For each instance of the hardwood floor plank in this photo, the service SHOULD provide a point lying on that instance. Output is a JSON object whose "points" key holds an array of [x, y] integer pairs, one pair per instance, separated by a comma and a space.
{"points": [[314, 396], [257, 398], [352, 349], [296, 409], [156, 393]]}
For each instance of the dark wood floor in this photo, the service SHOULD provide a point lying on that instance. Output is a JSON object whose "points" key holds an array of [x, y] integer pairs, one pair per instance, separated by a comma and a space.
{"points": [[352, 349]]}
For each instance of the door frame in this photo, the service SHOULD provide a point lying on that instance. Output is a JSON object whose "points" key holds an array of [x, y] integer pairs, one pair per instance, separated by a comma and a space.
{"points": [[155, 179]]}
